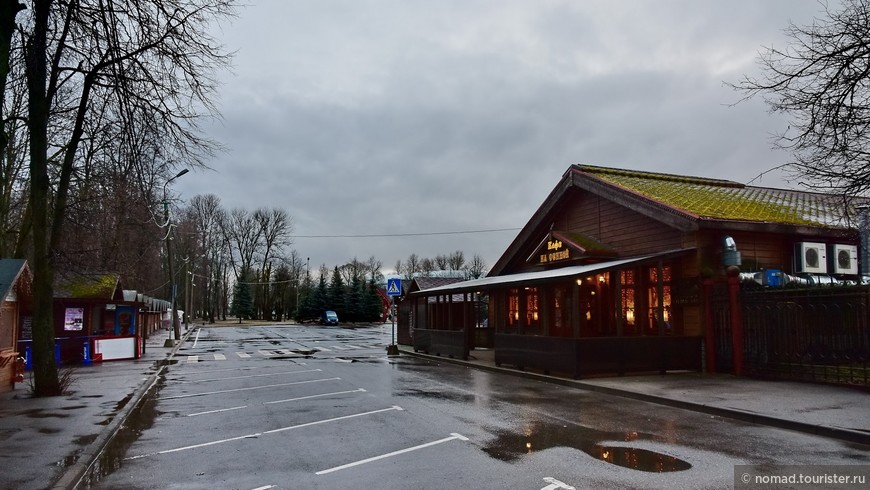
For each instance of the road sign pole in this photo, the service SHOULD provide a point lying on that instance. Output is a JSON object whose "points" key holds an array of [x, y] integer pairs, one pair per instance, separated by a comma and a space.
{"points": [[394, 288]]}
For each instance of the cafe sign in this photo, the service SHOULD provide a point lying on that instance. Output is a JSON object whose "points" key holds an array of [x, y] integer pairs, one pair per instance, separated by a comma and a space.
{"points": [[553, 250]]}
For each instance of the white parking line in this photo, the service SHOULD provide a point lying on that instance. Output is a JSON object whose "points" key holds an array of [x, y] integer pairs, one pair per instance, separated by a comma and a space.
{"points": [[250, 376], [555, 484], [246, 389], [258, 434], [217, 411], [453, 436], [360, 390], [353, 346]]}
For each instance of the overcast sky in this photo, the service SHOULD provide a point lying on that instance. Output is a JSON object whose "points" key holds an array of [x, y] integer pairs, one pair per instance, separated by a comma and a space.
{"points": [[391, 117]]}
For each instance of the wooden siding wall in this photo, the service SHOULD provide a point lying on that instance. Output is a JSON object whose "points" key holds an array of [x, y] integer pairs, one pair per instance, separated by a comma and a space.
{"points": [[629, 232], [8, 334], [758, 250]]}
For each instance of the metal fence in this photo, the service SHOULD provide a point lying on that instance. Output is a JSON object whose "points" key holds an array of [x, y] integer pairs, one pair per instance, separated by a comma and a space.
{"points": [[817, 334]]}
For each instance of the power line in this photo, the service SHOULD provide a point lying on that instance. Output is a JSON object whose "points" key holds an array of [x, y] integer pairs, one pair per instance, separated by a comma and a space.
{"points": [[386, 235]]}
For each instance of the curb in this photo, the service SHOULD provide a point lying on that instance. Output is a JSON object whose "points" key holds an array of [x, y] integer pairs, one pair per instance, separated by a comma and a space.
{"points": [[72, 477], [848, 435]]}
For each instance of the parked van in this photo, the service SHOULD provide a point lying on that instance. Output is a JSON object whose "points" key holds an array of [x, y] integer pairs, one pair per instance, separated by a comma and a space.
{"points": [[329, 318]]}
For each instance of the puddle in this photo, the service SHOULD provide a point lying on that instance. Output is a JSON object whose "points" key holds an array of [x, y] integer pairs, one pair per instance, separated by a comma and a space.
{"points": [[510, 446], [452, 396], [123, 402], [85, 440], [37, 413], [141, 418], [73, 407], [68, 461]]}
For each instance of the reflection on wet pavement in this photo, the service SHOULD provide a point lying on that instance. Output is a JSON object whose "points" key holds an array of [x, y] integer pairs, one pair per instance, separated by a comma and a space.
{"points": [[511, 446]]}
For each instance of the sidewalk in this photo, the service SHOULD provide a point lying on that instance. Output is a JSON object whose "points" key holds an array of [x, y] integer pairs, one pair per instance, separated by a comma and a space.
{"points": [[50, 442], [830, 411]]}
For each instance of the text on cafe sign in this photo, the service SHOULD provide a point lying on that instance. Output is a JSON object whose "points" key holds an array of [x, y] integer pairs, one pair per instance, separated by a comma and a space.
{"points": [[556, 252]]}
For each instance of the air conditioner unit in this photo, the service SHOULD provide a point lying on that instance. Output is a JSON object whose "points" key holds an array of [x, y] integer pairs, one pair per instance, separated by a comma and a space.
{"points": [[810, 258], [844, 259]]}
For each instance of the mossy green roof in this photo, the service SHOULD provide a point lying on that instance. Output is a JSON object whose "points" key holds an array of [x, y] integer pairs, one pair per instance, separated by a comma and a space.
{"points": [[726, 200], [86, 286]]}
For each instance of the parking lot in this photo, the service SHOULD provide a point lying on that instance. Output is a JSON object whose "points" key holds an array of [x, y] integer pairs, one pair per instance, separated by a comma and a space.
{"points": [[324, 407]]}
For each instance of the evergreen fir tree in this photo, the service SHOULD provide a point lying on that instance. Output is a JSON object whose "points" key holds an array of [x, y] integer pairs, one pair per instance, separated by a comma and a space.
{"points": [[353, 301], [374, 305], [243, 305], [336, 294]]}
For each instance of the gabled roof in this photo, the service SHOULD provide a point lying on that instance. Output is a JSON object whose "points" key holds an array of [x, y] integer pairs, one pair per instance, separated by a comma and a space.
{"points": [[104, 286], [10, 271], [715, 199], [419, 283], [689, 203]]}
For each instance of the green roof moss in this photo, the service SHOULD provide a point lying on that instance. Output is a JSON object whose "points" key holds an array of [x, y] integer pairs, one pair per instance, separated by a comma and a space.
{"points": [[726, 200], [97, 286]]}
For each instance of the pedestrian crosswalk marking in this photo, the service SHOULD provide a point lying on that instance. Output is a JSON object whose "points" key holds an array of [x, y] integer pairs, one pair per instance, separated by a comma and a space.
{"points": [[277, 352]]}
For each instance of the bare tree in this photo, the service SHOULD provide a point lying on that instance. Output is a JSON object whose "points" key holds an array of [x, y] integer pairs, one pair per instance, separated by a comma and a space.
{"points": [[242, 233], [476, 268], [207, 215], [441, 262], [822, 81], [373, 269], [276, 228], [352, 270], [456, 261], [427, 266], [412, 266], [155, 58]]}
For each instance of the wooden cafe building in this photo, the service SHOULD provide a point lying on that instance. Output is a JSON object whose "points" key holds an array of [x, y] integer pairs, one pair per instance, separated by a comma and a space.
{"points": [[612, 272]]}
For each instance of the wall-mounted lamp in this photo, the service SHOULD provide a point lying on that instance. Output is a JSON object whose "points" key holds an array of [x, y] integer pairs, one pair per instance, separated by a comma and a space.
{"points": [[730, 254]]}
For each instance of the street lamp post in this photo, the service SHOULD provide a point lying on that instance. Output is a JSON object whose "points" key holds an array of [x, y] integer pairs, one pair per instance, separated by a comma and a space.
{"points": [[176, 329]]}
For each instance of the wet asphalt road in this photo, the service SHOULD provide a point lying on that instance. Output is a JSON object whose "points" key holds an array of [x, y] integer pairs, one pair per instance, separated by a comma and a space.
{"points": [[312, 407]]}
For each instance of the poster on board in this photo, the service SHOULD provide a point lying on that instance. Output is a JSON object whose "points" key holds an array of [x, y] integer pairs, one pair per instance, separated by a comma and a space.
{"points": [[74, 319]]}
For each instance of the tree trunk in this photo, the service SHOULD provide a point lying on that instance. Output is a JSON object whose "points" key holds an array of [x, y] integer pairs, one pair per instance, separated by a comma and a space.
{"points": [[46, 382]]}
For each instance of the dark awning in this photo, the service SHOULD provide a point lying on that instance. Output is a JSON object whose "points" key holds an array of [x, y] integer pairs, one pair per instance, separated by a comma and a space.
{"points": [[537, 277]]}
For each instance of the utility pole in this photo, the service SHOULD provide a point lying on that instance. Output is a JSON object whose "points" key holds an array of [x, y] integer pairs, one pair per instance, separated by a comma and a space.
{"points": [[176, 328]]}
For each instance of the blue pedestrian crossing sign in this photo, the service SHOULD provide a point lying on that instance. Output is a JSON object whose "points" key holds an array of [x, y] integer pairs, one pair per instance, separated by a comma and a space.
{"points": [[394, 287]]}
